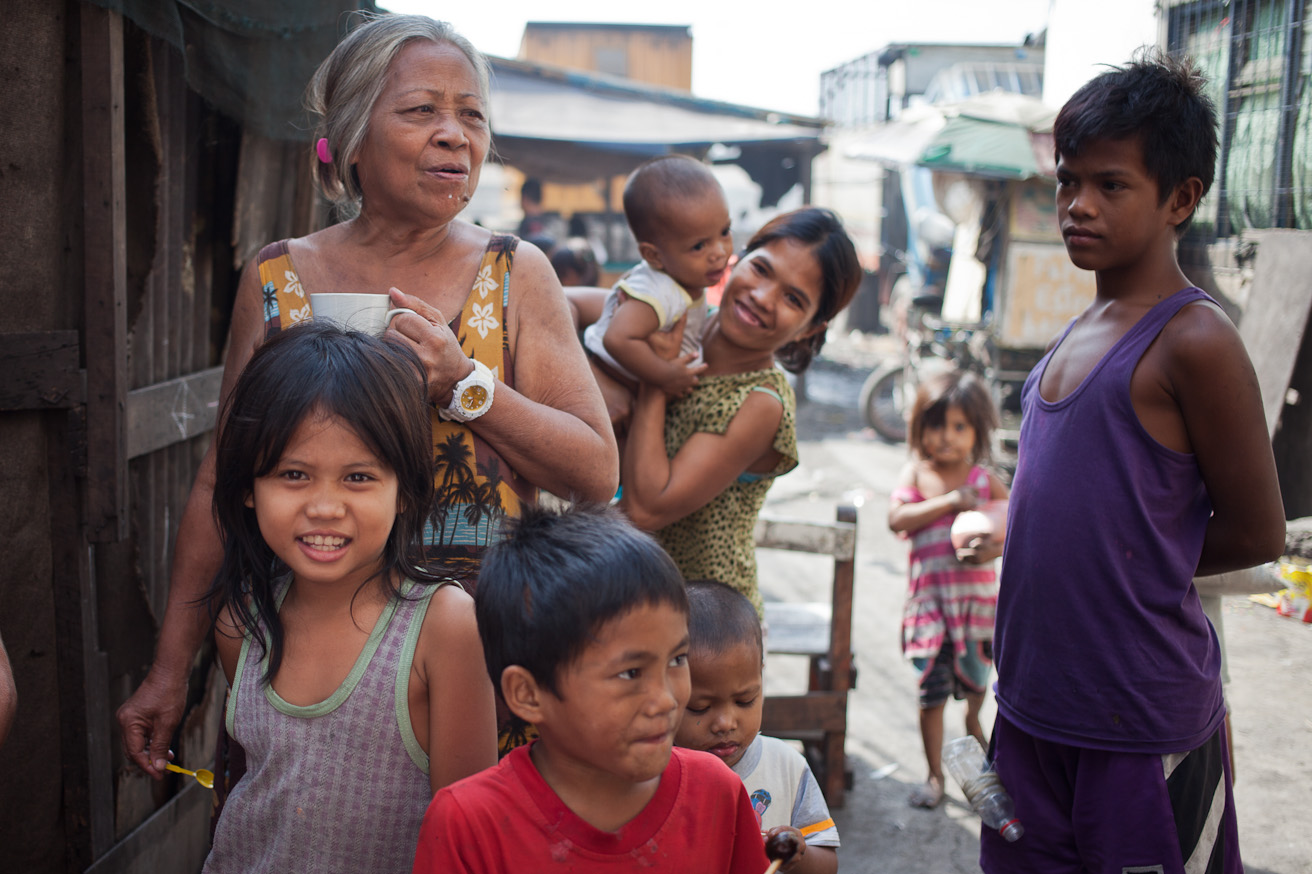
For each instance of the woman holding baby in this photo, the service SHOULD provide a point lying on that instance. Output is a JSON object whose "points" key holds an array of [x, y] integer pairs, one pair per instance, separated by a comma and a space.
{"points": [[696, 469]]}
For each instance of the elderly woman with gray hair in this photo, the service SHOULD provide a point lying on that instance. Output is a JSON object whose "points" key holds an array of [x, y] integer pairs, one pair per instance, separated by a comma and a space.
{"points": [[403, 132]]}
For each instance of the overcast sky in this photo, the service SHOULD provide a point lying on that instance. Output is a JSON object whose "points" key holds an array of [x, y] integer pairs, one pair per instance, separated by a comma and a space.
{"points": [[768, 59]]}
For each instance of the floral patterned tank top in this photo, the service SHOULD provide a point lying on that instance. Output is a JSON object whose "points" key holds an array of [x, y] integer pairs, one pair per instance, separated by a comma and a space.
{"points": [[475, 488]]}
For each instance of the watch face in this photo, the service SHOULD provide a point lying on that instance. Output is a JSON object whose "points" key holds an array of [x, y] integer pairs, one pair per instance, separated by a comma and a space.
{"points": [[473, 398]]}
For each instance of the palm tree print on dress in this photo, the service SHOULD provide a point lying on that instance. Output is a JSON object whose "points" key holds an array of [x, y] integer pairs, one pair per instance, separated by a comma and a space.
{"points": [[469, 509], [453, 469]]}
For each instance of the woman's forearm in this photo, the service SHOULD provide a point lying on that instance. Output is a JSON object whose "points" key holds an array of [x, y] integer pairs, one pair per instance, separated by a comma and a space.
{"points": [[149, 718], [551, 447], [552, 427], [197, 556]]}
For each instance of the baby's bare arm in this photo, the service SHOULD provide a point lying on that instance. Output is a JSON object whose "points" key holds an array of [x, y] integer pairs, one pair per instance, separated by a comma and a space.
{"points": [[1221, 404], [627, 338]]}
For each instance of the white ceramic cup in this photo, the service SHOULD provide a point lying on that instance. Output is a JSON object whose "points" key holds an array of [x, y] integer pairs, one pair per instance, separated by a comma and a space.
{"points": [[367, 313]]}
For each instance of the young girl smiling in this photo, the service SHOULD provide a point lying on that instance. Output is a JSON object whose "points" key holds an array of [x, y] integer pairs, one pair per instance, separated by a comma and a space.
{"points": [[357, 685]]}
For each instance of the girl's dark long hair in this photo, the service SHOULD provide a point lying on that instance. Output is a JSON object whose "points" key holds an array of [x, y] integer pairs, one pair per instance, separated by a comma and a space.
{"points": [[375, 388], [840, 271]]}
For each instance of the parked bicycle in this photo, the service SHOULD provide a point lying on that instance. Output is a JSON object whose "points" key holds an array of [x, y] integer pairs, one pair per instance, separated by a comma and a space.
{"points": [[890, 390]]}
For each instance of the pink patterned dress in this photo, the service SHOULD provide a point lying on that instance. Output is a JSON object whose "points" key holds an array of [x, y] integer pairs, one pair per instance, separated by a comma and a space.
{"points": [[947, 599]]}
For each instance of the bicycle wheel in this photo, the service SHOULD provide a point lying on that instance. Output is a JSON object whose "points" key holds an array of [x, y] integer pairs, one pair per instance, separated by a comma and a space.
{"points": [[883, 402]]}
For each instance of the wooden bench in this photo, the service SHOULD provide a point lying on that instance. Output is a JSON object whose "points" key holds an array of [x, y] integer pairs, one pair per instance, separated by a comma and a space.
{"points": [[822, 632]]}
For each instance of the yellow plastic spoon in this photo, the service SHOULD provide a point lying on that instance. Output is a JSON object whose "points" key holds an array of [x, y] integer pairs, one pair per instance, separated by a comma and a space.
{"points": [[203, 777]]}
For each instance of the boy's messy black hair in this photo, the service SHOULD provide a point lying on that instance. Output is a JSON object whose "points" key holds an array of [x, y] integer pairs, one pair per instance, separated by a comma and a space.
{"points": [[721, 617], [375, 388], [954, 388], [1156, 99], [556, 578]]}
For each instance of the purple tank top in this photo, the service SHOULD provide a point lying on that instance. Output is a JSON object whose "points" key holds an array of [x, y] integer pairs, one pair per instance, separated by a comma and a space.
{"points": [[1100, 638]]}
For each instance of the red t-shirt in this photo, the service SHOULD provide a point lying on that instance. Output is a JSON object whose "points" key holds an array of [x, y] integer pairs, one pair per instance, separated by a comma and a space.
{"points": [[507, 819]]}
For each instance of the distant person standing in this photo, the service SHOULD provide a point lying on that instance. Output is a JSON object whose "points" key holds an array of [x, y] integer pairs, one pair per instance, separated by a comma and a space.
{"points": [[947, 621], [533, 226], [1144, 460]]}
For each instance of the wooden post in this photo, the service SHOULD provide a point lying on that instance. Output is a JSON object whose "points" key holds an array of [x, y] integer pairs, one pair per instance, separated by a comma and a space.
{"points": [[85, 764], [99, 490], [105, 248], [843, 676], [1291, 77]]}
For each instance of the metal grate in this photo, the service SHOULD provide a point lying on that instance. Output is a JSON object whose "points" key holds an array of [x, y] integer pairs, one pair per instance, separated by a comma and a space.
{"points": [[1257, 64]]}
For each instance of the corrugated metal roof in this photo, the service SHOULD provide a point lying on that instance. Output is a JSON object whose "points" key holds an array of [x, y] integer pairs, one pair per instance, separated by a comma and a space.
{"points": [[573, 126]]}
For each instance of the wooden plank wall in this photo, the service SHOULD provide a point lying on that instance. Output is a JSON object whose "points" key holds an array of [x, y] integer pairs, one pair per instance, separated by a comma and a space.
{"points": [[181, 170], [83, 694], [119, 278], [204, 196]]}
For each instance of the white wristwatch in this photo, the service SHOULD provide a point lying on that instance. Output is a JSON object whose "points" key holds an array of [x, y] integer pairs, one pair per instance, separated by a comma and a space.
{"points": [[472, 396]]}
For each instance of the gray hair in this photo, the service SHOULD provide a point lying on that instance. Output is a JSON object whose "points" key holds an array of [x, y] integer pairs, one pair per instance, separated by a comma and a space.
{"points": [[348, 84]]}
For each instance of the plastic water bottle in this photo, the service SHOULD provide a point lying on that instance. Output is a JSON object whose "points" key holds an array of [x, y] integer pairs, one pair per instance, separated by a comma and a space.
{"points": [[964, 760]]}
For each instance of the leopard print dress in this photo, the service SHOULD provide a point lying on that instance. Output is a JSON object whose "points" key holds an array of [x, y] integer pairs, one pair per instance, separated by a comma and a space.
{"points": [[717, 542]]}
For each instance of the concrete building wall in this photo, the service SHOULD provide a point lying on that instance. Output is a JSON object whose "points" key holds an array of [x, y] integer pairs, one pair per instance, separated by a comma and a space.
{"points": [[655, 54]]}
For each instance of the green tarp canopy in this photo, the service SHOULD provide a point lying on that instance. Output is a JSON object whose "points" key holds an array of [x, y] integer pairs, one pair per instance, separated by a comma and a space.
{"points": [[997, 135], [975, 147]]}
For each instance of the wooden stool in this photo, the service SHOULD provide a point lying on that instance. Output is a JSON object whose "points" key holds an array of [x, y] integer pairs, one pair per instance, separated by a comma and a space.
{"points": [[823, 632]]}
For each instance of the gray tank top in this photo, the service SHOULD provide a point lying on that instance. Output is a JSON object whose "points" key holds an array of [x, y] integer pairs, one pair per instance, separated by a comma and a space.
{"points": [[341, 785]]}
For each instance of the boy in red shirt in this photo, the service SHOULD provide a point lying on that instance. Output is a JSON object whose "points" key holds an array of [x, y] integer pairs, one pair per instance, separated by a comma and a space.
{"points": [[584, 623]]}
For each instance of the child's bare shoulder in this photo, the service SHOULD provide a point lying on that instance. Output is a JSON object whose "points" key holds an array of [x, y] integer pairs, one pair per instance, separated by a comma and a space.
{"points": [[909, 476], [449, 632], [1201, 340], [450, 611]]}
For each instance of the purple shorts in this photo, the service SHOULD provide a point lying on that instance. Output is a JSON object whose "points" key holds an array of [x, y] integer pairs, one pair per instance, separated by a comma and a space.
{"points": [[1101, 812]]}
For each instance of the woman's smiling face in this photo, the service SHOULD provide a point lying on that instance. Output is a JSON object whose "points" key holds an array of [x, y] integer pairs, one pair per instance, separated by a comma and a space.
{"points": [[772, 296]]}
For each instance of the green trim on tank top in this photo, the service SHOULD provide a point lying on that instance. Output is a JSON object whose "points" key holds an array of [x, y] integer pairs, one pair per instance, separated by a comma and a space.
{"points": [[339, 696], [403, 720]]}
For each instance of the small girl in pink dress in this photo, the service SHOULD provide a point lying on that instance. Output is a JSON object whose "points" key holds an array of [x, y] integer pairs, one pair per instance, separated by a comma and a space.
{"points": [[947, 623]]}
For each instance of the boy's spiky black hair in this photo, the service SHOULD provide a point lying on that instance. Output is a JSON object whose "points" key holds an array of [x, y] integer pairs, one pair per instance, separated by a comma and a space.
{"points": [[1158, 100], [547, 588]]}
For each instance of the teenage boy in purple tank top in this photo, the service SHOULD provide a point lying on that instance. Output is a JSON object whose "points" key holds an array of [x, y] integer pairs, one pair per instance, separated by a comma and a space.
{"points": [[1143, 460]]}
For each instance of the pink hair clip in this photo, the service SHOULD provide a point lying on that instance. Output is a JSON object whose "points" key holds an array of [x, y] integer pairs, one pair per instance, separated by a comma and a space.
{"points": [[321, 149]]}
